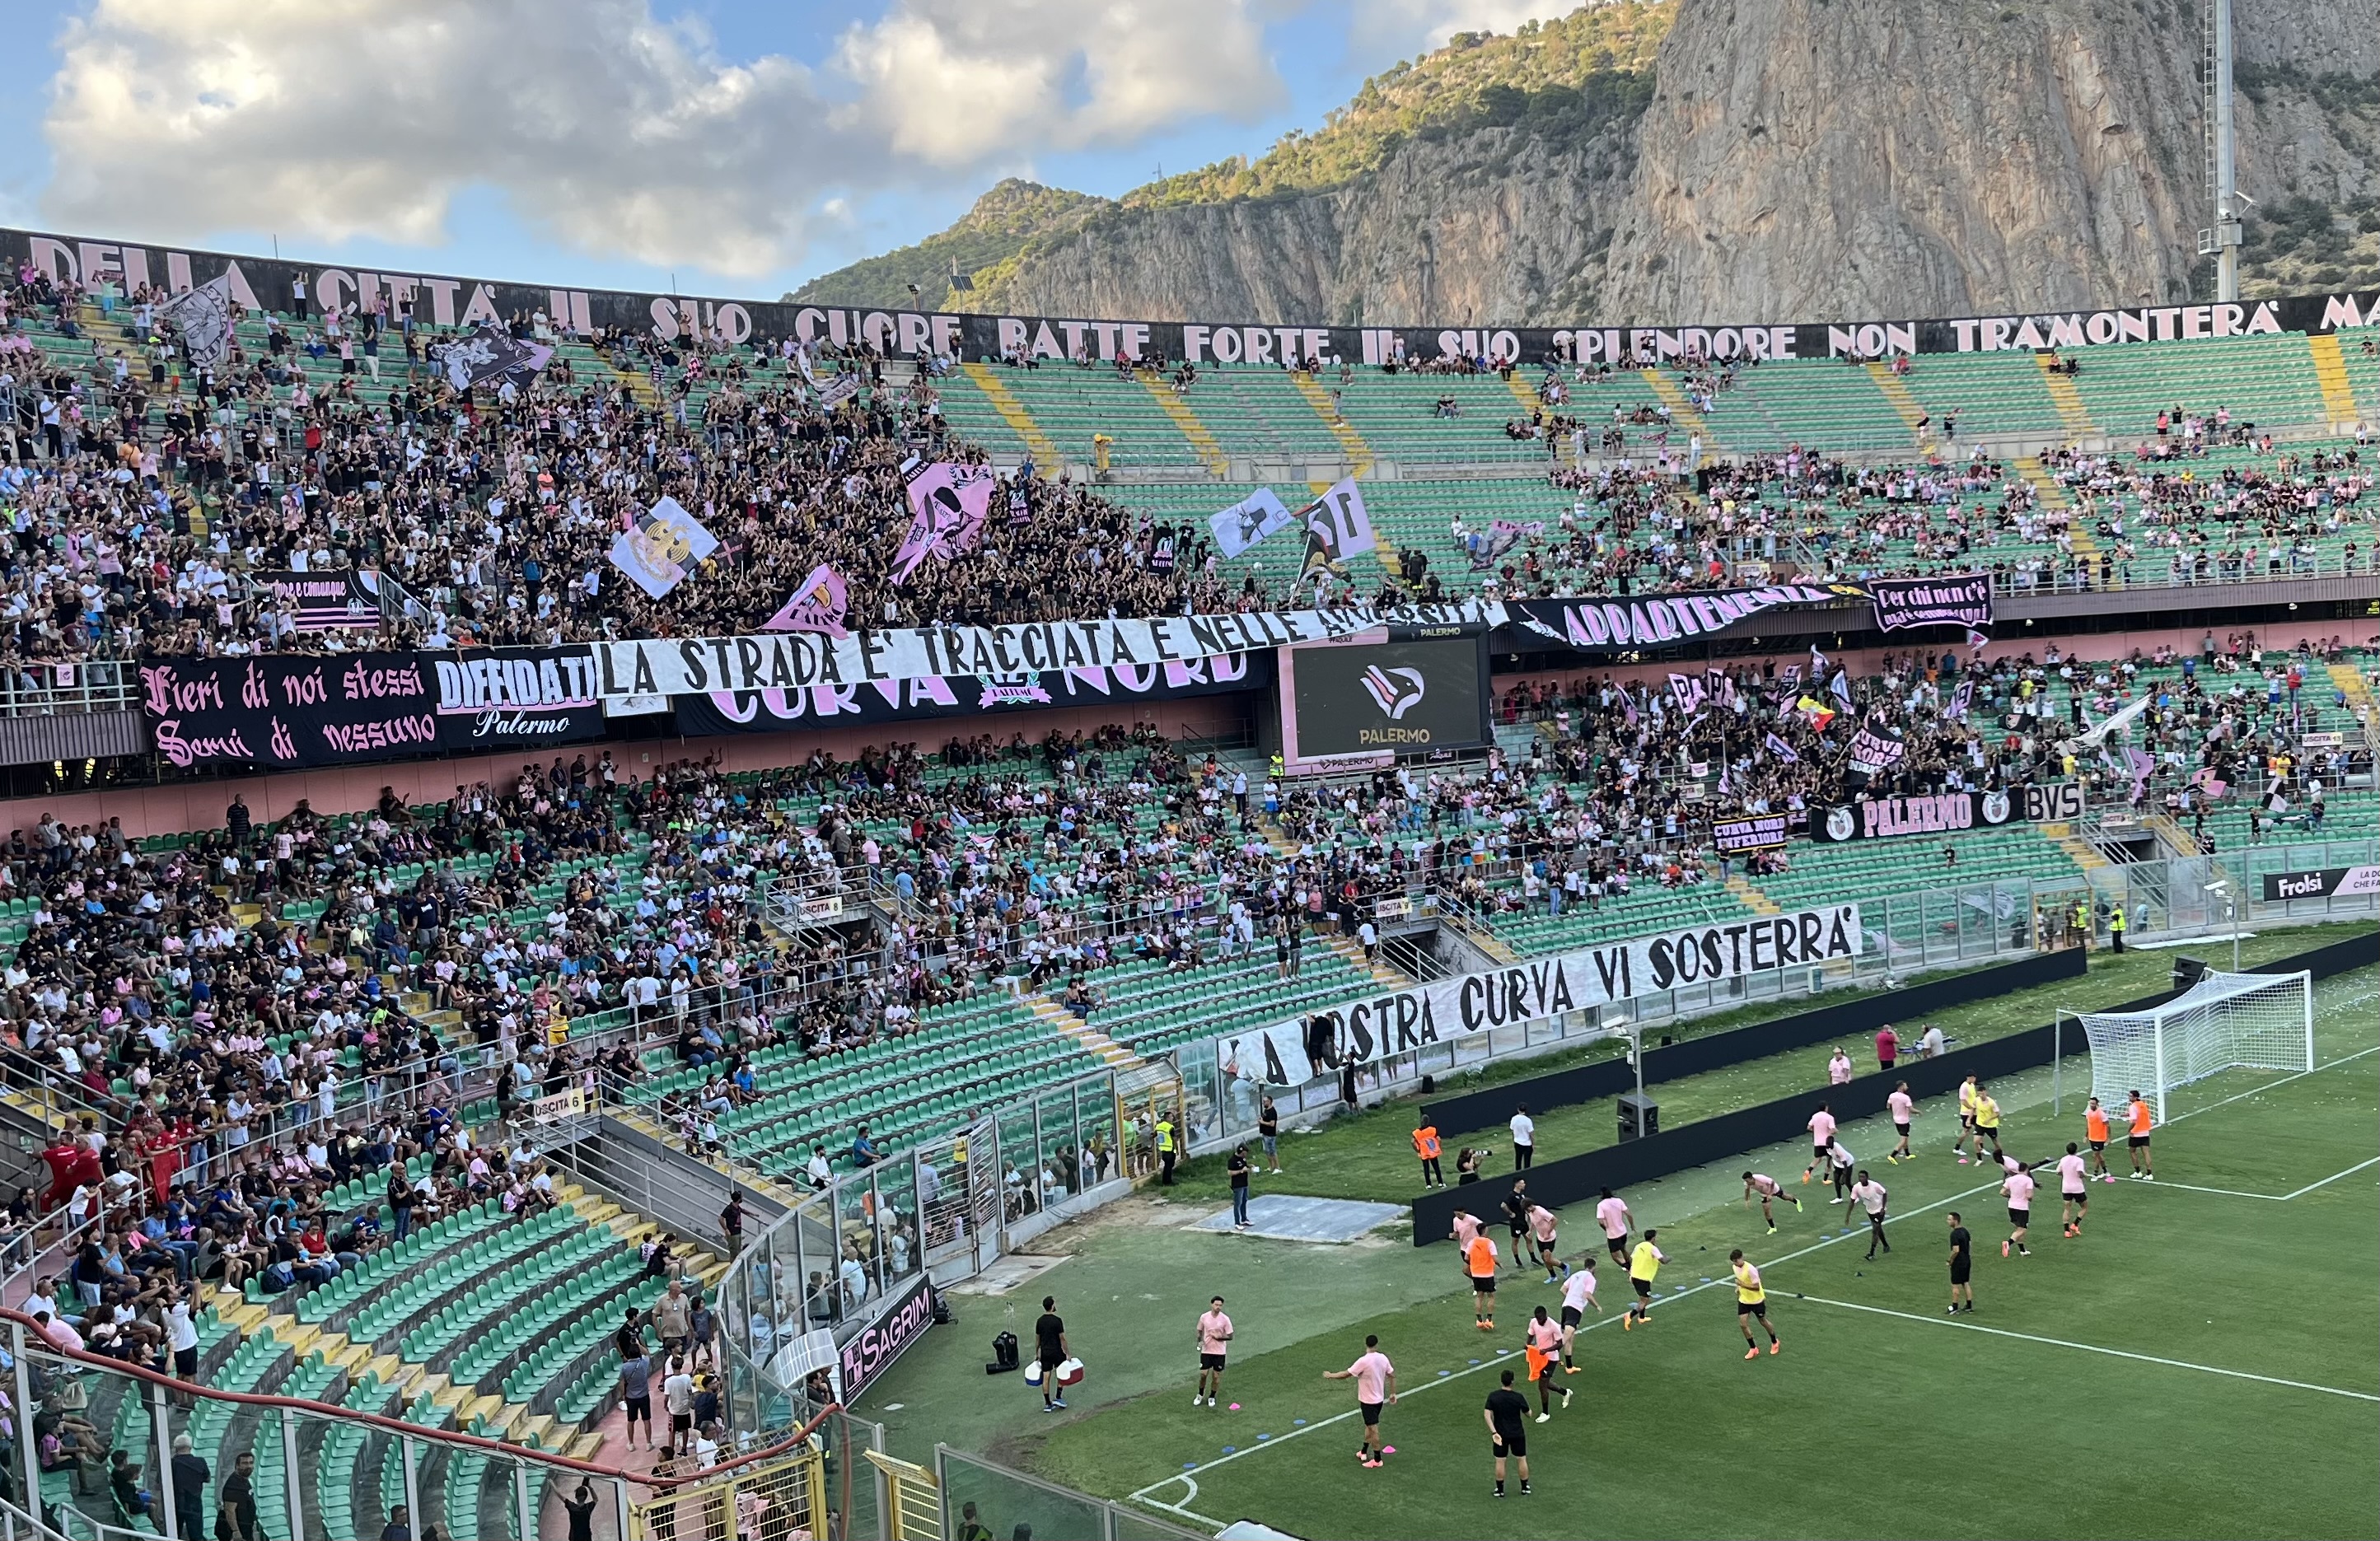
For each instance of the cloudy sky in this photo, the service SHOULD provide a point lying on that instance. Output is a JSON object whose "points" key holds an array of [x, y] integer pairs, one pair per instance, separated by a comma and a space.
{"points": [[738, 147]]}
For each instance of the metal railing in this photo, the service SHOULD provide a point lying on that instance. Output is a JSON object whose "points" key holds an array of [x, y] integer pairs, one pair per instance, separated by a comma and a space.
{"points": [[307, 1454], [52, 689]]}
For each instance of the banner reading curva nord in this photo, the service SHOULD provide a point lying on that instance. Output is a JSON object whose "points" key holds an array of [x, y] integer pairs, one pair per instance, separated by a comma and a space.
{"points": [[1398, 1021]]}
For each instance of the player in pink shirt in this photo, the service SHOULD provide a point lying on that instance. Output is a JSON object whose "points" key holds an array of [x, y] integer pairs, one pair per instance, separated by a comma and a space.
{"points": [[1822, 1133], [1613, 1215], [1467, 1225], [1838, 1068], [1375, 1387], [1771, 1190], [2073, 1190], [2019, 1189], [1903, 1108], [1543, 1342], [1542, 1233], [1214, 1341]]}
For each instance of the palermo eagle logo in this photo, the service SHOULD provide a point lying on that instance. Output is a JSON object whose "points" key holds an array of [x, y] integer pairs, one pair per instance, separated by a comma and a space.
{"points": [[1395, 691]]}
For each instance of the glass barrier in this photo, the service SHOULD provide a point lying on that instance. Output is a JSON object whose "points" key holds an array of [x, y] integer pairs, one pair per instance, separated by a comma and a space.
{"points": [[1004, 1502]]}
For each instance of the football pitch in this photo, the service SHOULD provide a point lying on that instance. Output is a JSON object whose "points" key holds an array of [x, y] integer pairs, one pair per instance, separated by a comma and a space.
{"points": [[2199, 1362]]}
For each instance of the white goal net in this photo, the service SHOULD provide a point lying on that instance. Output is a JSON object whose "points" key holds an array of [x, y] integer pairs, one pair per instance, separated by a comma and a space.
{"points": [[2224, 1022]]}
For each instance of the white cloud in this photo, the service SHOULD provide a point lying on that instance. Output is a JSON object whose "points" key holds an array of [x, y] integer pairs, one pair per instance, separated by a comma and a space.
{"points": [[947, 78], [604, 128]]}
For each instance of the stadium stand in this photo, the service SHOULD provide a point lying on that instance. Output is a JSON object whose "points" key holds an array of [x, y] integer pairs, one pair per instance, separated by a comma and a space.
{"points": [[284, 1063]]}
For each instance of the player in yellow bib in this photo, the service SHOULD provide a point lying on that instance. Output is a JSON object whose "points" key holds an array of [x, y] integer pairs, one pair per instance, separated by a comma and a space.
{"points": [[1644, 1265], [1987, 1124], [1751, 1300], [1966, 1119]]}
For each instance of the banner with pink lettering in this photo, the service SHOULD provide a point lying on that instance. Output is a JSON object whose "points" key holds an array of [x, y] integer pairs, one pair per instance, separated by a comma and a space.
{"points": [[287, 712], [948, 505], [864, 704]]}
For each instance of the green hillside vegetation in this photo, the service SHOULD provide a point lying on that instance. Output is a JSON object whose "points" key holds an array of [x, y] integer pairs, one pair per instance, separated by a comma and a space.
{"points": [[1564, 80], [995, 230]]}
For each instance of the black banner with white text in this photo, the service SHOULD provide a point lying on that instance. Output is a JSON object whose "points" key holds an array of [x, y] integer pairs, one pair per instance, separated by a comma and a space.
{"points": [[264, 282]]}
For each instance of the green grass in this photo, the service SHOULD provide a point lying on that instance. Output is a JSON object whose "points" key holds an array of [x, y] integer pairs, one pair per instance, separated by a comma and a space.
{"points": [[1369, 1154], [1869, 1424]]}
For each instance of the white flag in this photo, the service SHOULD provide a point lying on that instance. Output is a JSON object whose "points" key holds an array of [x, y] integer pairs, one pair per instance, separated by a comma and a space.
{"points": [[202, 316], [1339, 523], [657, 555], [1249, 522]]}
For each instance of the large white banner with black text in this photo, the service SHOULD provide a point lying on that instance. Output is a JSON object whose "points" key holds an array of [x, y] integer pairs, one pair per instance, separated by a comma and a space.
{"points": [[798, 660], [1398, 1021]]}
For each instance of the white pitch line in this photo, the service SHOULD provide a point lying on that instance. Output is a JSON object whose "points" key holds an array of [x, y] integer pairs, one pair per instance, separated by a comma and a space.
{"points": [[2087, 1348], [1192, 1483], [2333, 1177], [2277, 1198], [1142, 1494], [2194, 1188]]}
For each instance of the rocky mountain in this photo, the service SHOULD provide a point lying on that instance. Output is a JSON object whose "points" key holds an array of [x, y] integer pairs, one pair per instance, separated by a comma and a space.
{"points": [[1671, 161], [985, 240]]}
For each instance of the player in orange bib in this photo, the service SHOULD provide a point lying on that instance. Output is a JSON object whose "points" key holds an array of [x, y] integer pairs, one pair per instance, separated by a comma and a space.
{"points": [[2142, 1120], [1479, 1262], [2094, 1129], [1426, 1146], [1544, 1350]]}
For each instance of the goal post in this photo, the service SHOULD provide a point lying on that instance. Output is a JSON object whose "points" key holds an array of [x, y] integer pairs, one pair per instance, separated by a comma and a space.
{"points": [[2223, 1022]]}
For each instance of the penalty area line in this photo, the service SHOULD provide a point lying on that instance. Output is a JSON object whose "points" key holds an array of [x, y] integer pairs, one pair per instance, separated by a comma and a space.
{"points": [[2087, 1348]]}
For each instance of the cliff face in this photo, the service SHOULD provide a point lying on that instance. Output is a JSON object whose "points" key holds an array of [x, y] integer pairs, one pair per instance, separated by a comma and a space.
{"points": [[1742, 160], [1491, 225], [1843, 157]]}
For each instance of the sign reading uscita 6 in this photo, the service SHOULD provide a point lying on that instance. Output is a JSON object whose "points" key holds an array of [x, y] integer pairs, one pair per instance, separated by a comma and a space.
{"points": [[1401, 1021]]}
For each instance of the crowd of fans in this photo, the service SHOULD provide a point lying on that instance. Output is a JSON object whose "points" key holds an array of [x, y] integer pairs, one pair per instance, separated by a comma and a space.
{"points": [[142, 490]]}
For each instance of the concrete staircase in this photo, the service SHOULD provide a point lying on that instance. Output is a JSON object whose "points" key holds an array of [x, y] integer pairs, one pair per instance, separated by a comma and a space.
{"points": [[2052, 493], [1359, 454], [2339, 403], [2358, 691], [512, 1420], [2086, 856], [1168, 401], [1757, 901], [1094, 1043], [1377, 972], [1684, 415], [1898, 395], [1011, 412], [2073, 415]]}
